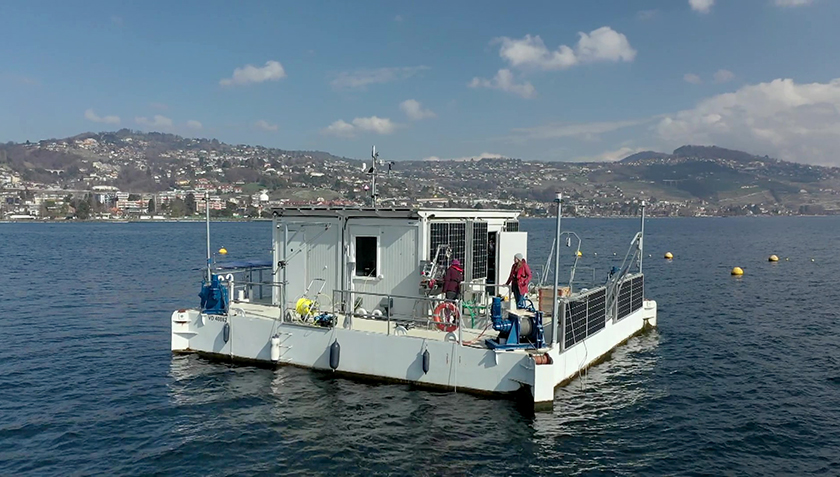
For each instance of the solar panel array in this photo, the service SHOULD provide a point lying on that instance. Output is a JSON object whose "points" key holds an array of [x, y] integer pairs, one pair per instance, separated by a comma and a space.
{"points": [[479, 250], [453, 234], [631, 294], [585, 316]]}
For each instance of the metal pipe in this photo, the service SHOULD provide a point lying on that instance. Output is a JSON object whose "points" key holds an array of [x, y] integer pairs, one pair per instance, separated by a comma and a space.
{"points": [[283, 296], [558, 199], [207, 213], [642, 239]]}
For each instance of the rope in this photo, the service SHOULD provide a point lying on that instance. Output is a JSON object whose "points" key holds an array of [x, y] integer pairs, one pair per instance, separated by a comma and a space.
{"points": [[479, 336]]}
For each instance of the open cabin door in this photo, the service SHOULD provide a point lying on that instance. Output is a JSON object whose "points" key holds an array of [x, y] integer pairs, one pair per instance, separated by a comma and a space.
{"points": [[509, 244]]}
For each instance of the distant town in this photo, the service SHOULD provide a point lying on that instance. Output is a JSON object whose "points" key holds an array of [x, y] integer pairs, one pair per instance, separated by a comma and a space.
{"points": [[129, 175]]}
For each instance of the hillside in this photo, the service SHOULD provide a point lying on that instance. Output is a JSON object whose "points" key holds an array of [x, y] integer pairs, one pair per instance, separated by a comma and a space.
{"points": [[691, 180]]}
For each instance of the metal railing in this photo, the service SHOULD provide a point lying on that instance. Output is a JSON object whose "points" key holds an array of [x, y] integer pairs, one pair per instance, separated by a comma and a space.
{"points": [[402, 310], [246, 290]]}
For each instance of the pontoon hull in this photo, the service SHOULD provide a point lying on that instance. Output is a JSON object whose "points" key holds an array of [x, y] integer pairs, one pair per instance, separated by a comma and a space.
{"points": [[398, 358]]}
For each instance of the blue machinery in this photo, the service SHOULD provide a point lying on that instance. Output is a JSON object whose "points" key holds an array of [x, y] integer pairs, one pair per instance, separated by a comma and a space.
{"points": [[214, 296], [516, 332]]}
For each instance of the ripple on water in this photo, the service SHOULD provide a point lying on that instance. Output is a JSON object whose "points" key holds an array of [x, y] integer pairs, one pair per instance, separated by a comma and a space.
{"points": [[741, 377]]}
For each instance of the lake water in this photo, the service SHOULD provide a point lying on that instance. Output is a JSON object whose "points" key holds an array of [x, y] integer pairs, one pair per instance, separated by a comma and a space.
{"points": [[741, 377]]}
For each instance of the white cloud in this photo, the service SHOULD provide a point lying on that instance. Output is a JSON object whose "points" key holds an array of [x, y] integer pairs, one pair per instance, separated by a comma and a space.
{"points": [[375, 125], [793, 3], [724, 76], [530, 52], [361, 78], [265, 125], [157, 121], [117, 20], [372, 124], [20, 79], [414, 110], [193, 124], [161, 106], [272, 71], [585, 131], [702, 6], [612, 156], [692, 78], [504, 81], [483, 155], [647, 14], [90, 115], [797, 122], [340, 128], [398, 18]]}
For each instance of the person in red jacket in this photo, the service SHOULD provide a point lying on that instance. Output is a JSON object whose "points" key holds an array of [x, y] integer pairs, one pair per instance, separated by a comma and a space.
{"points": [[520, 276], [452, 280]]}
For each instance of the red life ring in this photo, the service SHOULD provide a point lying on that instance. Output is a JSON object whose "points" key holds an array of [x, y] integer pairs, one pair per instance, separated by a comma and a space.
{"points": [[448, 322]]}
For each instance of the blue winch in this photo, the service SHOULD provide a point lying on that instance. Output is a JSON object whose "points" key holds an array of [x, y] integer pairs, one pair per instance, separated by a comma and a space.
{"points": [[214, 296], [516, 331]]}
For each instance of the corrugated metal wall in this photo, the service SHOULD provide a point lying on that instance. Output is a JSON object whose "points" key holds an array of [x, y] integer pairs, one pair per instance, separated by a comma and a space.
{"points": [[398, 265], [322, 259]]}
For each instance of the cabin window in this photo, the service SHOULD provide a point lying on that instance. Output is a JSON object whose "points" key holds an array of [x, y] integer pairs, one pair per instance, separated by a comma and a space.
{"points": [[367, 254]]}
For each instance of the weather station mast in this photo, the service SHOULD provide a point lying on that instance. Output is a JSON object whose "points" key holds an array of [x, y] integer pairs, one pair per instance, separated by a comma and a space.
{"points": [[372, 171]]}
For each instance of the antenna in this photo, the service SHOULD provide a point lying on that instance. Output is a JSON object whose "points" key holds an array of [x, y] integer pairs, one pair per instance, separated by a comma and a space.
{"points": [[372, 171]]}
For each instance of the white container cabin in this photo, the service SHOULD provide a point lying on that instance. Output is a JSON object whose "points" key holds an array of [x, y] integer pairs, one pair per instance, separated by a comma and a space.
{"points": [[385, 251]]}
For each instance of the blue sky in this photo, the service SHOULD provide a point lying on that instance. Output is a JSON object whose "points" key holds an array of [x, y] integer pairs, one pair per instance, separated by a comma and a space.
{"points": [[553, 80]]}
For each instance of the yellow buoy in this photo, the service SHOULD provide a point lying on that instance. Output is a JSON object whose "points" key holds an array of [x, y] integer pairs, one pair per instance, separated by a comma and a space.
{"points": [[223, 251], [579, 254], [669, 255], [737, 271], [773, 258]]}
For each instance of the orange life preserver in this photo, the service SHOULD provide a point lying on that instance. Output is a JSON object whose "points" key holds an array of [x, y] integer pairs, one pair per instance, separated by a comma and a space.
{"points": [[446, 324]]}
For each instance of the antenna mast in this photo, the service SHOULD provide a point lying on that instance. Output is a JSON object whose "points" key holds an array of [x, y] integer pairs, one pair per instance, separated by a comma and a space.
{"points": [[374, 194], [375, 156], [207, 215]]}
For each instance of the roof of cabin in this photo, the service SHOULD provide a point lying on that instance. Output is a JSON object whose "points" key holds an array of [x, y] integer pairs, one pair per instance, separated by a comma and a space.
{"points": [[392, 212]]}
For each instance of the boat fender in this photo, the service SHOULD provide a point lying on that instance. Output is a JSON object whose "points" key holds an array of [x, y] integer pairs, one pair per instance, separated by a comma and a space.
{"points": [[275, 348], [361, 311], [335, 354], [226, 332], [426, 359], [377, 313]]}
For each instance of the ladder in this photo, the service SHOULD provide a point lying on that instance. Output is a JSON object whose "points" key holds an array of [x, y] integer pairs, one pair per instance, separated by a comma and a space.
{"points": [[431, 269]]}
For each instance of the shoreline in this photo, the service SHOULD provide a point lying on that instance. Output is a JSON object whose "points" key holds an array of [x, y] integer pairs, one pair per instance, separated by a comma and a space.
{"points": [[234, 220]]}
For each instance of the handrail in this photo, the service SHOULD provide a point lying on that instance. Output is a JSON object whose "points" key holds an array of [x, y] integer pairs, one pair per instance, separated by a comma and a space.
{"points": [[349, 309]]}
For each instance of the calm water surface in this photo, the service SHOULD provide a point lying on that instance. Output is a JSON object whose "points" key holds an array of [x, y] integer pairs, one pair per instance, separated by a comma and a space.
{"points": [[741, 377]]}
